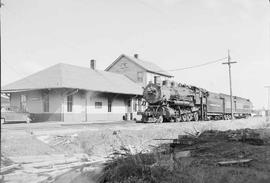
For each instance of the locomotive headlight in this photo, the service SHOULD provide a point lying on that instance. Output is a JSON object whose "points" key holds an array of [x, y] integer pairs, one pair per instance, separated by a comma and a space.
{"points": [[152, 90]]}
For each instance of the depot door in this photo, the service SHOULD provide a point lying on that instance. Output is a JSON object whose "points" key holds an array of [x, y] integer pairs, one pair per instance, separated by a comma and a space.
{"points": [[128, 106], [84, 108]]}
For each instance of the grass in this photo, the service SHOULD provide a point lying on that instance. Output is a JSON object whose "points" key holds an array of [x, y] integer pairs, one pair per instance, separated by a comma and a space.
{"points": [[132, 168], [201, 167], [138, 168], [23, 144]]}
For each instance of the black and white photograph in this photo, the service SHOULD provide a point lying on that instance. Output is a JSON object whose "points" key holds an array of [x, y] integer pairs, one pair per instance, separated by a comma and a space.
{"points": [[135, 91]]}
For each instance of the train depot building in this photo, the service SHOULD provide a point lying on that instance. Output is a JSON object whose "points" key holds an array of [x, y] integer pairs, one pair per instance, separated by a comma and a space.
{"points": [[66, 92]]}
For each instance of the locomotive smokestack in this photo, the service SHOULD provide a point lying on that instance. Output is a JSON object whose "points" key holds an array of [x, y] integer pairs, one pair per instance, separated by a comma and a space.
{"points": [[136, 55], [93, 64], [173, 84], [166, 83]]}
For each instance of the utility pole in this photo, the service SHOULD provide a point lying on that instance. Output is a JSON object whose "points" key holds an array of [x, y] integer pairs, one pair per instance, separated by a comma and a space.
{"points": [[1, 4], [268, 107], [230, 78]]}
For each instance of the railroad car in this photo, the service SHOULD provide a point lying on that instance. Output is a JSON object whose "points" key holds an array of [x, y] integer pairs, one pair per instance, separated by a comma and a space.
{"points": [[219, 106], [176, 102]]}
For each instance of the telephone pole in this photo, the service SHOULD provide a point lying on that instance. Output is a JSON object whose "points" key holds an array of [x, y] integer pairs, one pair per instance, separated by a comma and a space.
{"points": [[268, 106], [230, 78]]}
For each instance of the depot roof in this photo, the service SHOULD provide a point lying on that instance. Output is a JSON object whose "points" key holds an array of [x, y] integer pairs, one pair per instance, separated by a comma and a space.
{"points": [[69, 76]]}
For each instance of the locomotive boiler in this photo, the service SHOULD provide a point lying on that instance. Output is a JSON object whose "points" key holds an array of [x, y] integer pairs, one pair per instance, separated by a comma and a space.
{"points": [[173, 102]]}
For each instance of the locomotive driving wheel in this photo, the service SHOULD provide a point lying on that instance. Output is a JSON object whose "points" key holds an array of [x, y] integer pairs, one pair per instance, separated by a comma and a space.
{"points": [[196, 116], [160, 115], [189, 117], [160, 119], [184, 117]]}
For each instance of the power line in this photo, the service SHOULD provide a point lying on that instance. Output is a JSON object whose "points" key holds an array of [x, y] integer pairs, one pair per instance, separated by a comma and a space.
{"points": [[200, 65], [20, 73]]}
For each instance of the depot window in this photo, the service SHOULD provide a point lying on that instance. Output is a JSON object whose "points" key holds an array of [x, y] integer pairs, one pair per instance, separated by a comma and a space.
{"points": [[23, 103], [98, 105], [109, 105], [69, 103]]}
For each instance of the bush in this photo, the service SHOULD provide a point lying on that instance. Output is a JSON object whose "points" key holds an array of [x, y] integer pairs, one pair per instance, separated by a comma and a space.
{"points": [[132, 168]]}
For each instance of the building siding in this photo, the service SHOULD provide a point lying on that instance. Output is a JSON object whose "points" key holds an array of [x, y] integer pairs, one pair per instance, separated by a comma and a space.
{"points": [[41, 117], [55, 101], [83, 108], [15, 100], [34, 104], [77, 108], [85, 101], [118, 108], [129, 69], [34, 101]]}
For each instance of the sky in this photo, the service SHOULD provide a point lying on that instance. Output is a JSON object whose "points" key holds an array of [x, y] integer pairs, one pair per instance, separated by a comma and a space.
{"points": [[173, 34]]}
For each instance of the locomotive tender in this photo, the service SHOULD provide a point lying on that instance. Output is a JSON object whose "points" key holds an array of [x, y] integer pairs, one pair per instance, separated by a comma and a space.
{"points": [[173, 102]]}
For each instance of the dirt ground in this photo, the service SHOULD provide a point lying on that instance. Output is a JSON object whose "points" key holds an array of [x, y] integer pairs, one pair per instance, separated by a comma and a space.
{"points": [[239, 156], [75, 145]]}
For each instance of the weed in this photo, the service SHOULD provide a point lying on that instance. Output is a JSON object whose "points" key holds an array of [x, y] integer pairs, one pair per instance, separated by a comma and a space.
{"points": [[87, 148], [201, 167]]}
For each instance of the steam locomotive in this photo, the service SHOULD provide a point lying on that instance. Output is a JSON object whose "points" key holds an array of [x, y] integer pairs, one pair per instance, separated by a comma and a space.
{"points": [[173, 102]]}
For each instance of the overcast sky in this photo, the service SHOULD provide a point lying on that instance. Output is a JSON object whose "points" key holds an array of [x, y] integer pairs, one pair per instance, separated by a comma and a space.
{"points": [[171, 33]]}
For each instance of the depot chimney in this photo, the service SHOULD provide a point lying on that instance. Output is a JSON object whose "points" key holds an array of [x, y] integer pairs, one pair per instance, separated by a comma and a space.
{"points": [[136, 55], [93, 64]]}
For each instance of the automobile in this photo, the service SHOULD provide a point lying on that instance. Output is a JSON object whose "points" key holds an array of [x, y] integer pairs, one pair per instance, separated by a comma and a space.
{"points": [[14, 115]]}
